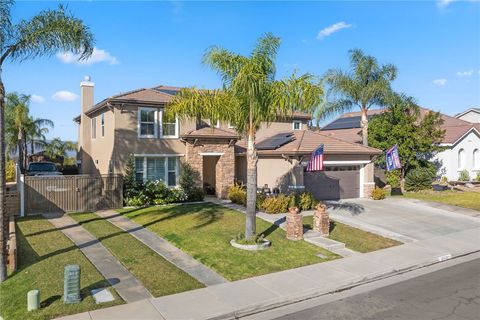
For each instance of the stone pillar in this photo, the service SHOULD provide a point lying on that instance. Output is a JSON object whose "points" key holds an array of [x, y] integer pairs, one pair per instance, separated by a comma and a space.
{"points": [[321, 220], [294, 224]]}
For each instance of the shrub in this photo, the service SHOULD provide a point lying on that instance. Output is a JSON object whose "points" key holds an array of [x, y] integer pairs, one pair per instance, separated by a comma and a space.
{"points": [[189, 181], [307, 201], [478, 177], [260, 199], [10, 175], [378, 194], [240, 239], [277, 204], [237, 194], [444, 179], [418, 179], [394, 178], [464, 176]]}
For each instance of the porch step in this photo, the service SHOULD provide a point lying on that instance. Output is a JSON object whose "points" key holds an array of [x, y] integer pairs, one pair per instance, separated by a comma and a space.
{"points": [[316, 239]]}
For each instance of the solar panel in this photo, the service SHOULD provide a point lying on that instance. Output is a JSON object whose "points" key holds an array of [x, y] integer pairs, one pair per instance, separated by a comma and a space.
{"points": [[275, 141], [167, 91], [345, 123]]}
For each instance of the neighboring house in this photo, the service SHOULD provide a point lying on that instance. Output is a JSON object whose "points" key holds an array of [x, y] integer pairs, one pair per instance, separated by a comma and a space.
{"points": [[462, 139], [133, 123]]}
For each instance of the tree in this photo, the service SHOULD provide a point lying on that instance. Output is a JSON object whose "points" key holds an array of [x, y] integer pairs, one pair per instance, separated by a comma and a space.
{"points": [[21, 128], [417, 135], [42, 35], [250, 96], [57, 149], [366, 85]]}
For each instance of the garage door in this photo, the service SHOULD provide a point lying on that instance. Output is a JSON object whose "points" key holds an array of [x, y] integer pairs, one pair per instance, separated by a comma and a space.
{"points": [[334, 183]]}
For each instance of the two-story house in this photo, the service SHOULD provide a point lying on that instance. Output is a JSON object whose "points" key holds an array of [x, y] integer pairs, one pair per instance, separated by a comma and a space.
{"points": [[133, 123]]}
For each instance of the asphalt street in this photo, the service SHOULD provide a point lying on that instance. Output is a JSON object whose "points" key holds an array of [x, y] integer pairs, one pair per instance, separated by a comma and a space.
{"points": [[450, 293]]}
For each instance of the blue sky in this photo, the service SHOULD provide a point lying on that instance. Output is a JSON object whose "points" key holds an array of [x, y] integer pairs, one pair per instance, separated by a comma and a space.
{"points": [[434, 44]]}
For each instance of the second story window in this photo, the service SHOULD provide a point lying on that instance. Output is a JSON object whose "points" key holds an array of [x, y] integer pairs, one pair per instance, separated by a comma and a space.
{"points": [[169, 126], [147, 122], [297, 125], [94, 128], [102, 124]]}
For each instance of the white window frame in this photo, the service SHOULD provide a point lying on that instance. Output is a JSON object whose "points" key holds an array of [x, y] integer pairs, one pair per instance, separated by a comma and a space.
{"points": [[165, 157], [293, 125], [102, 124], [93, 124], [155, 123], [461, 160], [175, 136], [476, 159]]}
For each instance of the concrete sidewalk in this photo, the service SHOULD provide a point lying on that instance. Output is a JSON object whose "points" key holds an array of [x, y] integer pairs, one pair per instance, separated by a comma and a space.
{"points": [[164, 248], [234, 299], [126, 285]]}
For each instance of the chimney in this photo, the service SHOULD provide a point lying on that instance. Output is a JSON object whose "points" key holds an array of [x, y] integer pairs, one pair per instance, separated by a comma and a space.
{"points": [[85, 132], [86, 93]]}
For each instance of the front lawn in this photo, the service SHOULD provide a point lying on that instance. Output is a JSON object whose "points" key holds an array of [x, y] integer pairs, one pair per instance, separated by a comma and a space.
{"points": [[43, 252], [205, 230], [354, 239], [470, 200], [158, 275]]}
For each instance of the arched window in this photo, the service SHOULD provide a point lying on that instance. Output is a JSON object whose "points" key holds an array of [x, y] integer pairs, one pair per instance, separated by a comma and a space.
{"points": [[476, 159], [461, 159]]}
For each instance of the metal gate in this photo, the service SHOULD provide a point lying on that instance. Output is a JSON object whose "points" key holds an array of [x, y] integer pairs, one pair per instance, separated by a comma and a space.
{"points": [[79, 193]]}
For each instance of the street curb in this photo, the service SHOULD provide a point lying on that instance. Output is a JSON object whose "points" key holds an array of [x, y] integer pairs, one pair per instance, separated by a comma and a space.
{"points": [[281, 302]]}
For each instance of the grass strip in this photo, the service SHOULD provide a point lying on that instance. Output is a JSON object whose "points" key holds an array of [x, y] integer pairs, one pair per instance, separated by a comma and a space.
{"points": [[43, 252], [158, 275]]}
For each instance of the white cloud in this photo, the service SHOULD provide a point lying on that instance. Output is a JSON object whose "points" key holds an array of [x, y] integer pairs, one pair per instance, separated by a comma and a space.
{"points": [[37, 99], [465, 73], [325, 32], [444, 3], [64, 96], [98, 55], [440, 82]]}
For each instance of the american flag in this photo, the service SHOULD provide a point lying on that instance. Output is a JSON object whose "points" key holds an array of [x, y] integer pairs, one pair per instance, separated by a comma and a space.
{"points": [[316, 160]]}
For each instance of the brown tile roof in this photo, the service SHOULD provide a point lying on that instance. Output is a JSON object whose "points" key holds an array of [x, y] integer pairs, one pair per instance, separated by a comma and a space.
{"points": [[211, 133], [454, 128], [306, 141]]}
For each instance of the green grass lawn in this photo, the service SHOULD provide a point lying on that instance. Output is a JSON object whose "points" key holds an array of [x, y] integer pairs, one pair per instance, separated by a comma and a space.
{"points": [[469, 200], [158, 275], [355, 239], [205, 230], [43, 252]]}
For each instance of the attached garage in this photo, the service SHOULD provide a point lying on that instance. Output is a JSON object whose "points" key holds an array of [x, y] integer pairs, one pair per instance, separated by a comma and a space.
{"points": [[336, 182]]}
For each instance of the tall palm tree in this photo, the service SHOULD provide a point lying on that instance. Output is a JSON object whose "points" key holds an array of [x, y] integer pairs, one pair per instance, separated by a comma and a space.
{"points": [[57, 149], [250, 96], [367, 84], [21, 128], [36, 130], [42, 35]]}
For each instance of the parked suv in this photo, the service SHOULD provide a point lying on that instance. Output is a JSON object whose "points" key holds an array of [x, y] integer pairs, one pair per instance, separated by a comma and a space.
{"points": [[42, 169]]}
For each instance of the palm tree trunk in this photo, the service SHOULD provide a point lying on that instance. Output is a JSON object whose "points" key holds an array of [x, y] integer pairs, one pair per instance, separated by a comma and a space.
{"points": [[3, 212], [20, 150], [364, 125], [251, 224]]}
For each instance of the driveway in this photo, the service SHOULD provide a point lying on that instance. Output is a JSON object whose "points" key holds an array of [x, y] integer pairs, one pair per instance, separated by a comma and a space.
{"points": [[406, 220]]}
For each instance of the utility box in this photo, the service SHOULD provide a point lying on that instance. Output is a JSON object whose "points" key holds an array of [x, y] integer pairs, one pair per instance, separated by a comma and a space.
{"points": [[71, 287]]}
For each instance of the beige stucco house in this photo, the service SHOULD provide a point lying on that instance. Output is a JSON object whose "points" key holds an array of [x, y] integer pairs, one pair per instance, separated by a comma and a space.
{"points": [[133, 123]]}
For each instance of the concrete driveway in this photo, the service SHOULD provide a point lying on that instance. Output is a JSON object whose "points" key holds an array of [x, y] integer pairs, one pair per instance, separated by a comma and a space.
{"points": [[406, 220]]}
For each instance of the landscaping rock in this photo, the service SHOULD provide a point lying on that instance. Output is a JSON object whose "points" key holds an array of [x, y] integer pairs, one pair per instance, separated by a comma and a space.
{"points": [[102, 295]]}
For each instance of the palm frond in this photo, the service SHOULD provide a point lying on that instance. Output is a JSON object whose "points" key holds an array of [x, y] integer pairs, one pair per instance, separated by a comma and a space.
{"points": [[48, 32]]}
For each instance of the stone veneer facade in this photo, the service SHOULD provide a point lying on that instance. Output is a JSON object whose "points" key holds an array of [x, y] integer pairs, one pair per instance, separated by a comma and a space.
{"points": [[225, 168]]}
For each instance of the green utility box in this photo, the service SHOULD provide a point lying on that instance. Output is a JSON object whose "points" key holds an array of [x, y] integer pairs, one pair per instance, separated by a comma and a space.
{"points": [[71, 287]]}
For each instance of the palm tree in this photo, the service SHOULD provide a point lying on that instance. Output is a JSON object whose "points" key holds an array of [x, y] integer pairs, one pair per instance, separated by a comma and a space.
{"points": [[57, 149], [42, 35], [36, 131], [250, 97], [366, 85], [21, 128]]}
